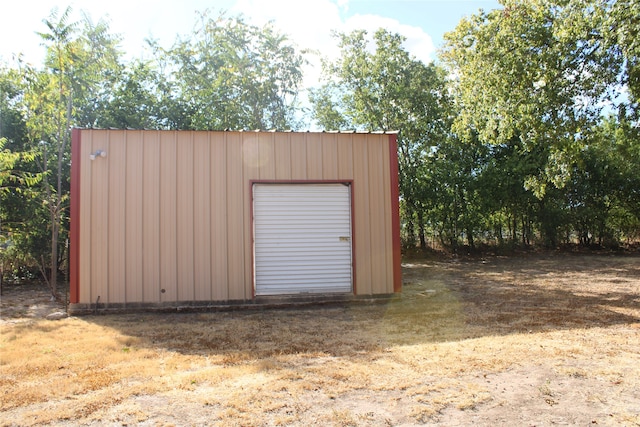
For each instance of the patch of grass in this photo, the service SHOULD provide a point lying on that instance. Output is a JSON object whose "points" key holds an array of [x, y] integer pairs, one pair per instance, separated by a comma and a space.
{"points": [[462, 338]]}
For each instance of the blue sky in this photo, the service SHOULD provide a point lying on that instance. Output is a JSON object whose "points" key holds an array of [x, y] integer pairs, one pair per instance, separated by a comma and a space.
{"points": [[435, 17]]}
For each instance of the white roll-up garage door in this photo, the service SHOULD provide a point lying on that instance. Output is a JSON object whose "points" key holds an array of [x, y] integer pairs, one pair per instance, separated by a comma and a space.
{"points": [[302, 238]]}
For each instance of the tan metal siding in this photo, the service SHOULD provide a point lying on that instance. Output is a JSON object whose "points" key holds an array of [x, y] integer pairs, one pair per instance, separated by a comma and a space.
{"points": [[345, 157], [362, 220], [185, 224], [202, 216], [330, 157], [117, 217], [151, 217], [235, 216], [100, 231], [84, 234], [166, 216], [314, 156], [298, 157], [251, 171], [388, 229], [133, 201], [376, 204], [267, 163], [219, 225], [282, 154]]}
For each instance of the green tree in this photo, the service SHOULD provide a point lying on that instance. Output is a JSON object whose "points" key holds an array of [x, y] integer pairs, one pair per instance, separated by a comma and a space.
{"points": [[535, 76], [136, 100], [384, 88], [80, 61], [18, 178], [507, 207], [536, 70], [605, 196], [622, 32], [451, 203], [230, 74]]}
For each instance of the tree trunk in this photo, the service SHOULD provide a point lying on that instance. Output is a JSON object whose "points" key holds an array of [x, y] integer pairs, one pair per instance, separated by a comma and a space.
{"points": [[411, 229], [421, 234], [470, 238], [53, 280]]}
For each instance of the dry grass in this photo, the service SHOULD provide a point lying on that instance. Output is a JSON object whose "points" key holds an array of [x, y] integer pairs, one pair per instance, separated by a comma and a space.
{"points": [[532, 340]]}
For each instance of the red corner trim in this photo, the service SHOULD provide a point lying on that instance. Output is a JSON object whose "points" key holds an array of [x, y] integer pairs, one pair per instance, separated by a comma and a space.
{"points": [[74, 244], [395, 213]]}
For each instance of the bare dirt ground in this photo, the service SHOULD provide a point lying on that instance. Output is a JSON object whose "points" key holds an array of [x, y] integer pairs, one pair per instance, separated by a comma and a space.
{"points": [[536, 340]]}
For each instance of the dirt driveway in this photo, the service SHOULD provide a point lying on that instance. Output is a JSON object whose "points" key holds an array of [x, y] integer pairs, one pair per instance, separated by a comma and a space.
{"points": [[535, 340]]}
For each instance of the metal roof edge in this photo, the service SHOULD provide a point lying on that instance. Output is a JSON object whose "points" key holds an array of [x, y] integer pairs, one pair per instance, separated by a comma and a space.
{"points": [[346, 131]]}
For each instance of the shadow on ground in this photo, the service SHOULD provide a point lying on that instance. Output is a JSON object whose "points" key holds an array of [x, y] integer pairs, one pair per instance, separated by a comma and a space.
{"points": [[440, 302]]}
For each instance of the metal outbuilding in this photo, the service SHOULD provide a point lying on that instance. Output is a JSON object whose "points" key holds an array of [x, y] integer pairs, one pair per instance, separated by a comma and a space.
{"points": [[174, 219]]}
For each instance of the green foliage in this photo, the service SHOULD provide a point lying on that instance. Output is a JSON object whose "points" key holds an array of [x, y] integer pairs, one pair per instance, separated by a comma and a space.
{"points": [[531, 84], [537, 71], [135, 100], [384, 88], [9, 175], [18, 180], [452, 191], [43, 105], [623, 33], [230, 74]]}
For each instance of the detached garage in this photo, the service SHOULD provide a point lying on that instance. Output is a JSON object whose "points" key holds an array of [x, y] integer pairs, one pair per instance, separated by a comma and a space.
{"points": [[174, 219]]}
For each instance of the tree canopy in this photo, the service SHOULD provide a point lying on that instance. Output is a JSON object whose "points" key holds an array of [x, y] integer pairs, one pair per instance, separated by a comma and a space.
{"points": [[384, 88]]}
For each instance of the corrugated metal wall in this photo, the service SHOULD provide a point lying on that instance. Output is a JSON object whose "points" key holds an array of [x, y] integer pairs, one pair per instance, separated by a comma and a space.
{"points": [[166, 215]]}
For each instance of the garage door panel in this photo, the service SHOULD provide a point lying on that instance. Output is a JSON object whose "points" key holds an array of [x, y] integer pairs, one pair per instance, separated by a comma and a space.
{"points": [[294, 246], [275, 259], [302, 238]]}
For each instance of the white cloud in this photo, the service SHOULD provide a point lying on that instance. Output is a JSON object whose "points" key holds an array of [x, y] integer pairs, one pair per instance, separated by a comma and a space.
{"points": [[310, 24]]}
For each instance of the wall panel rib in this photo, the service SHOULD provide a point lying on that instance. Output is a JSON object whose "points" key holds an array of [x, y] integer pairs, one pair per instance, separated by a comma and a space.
{"points": [[282, 155], [168, 218], [151, 217], [362, 215], [134, 219], [234, 215], [377, 201], [100, 231], [84, 229], [219, 230], [202, 216], [314, 155], [185, 214], [117, 216], [252, 164], [298, 157]]}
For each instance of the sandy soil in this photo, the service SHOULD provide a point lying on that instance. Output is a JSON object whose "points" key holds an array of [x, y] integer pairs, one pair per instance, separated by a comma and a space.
{"points": [[29, 301], [537, 340]]}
